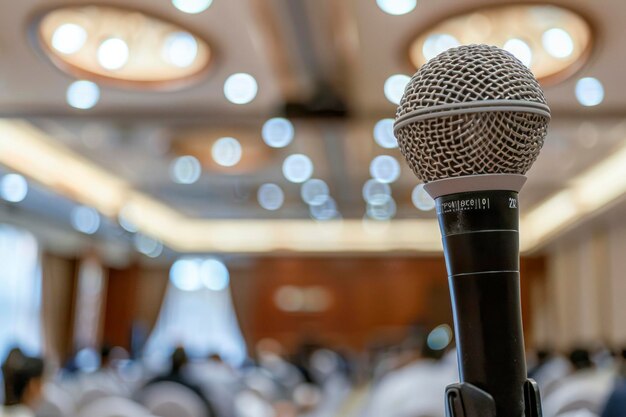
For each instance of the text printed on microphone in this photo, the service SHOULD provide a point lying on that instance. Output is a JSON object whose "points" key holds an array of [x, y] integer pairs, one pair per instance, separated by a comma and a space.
{"points": [[478, 203]]}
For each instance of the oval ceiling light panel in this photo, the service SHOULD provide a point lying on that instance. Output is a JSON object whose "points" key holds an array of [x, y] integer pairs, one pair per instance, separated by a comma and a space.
{"points": [[554, 42], [122, 47]]}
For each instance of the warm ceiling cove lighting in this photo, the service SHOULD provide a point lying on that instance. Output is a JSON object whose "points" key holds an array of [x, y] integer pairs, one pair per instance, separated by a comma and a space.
{"points": [[123, 47], [552, 41]]}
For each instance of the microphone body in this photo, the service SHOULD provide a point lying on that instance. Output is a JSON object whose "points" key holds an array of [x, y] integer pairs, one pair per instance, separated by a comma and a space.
{"points": [[481, 244]]}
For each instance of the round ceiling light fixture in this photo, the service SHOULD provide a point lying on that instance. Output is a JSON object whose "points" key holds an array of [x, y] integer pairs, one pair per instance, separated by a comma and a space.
{"points": [[122, 47], [552, 41]]}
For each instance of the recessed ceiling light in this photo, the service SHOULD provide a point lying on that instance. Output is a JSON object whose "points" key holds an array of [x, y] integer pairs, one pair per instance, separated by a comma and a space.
{"points": [[83, 94], [394, 87], [270, 197], [69, 38], [397, 7], [240, 88], [192, 6], [113, 54], [13, 188], [226, 151], [552, 41], [421, 199], [557, 42], [385, 168], [85, 219], [180, 49], [520, 50], [277, 132], [297, 168], [438, 43], [589, 91], [314, 192], [185, 170], [383, 134], [122, 47]]}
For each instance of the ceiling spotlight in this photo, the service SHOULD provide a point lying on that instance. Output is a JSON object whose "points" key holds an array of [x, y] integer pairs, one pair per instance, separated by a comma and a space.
{"points": [[589, 91], [240, 88], [270, 197], [277, 132], [192, 6], [394, 87], [397, 7], [85, 219], [69, 38], [520, 50], [82, 94], [385, 168], [226, 151], [185, 170], [383, 134], [113, 54], [421, 199], [297, 168], [376, 192], [557, 42], [214, 274], [314, 192], [438, 43], [150, 247], [180, 49], [13, 188]]}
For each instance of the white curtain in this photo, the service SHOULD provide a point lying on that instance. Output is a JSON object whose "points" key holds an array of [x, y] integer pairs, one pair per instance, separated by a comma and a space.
{"points": [[20, 292], [203, 321]]}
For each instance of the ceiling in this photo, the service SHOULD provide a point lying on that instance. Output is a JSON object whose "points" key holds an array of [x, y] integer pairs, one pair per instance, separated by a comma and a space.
{"points": [[322, 63]]}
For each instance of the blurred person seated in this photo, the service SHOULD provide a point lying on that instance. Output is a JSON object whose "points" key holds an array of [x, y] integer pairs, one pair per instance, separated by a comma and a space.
{"points": [[587, 388], [416, 388], [219, 382], [616, 403], [23, 381], [551, 369], [177, 374]]}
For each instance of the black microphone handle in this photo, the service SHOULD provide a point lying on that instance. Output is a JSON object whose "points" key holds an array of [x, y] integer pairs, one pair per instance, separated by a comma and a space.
{"points": [[480, 232]]}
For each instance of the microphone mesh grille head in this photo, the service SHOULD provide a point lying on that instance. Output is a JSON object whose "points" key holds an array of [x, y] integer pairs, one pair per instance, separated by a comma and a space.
{"points": [[477, 142]]}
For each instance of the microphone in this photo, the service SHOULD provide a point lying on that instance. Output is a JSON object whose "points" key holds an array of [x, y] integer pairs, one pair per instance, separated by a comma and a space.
{"points": [[470, 124]]}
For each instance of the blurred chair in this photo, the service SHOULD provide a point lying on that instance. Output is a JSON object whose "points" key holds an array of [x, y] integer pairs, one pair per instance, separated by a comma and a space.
{"points": [[56, 402], [91, 394], [170, 399], [114, 407]]}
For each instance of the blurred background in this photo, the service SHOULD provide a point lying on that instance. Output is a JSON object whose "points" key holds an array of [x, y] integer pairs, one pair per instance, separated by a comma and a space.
{"points": [[204, 212]]}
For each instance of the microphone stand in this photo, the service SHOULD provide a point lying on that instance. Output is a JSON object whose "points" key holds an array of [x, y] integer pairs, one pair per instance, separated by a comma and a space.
{"points": [[480, 233]]}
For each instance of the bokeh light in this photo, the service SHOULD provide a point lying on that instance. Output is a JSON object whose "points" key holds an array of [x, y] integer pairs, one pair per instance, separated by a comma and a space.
{"points": [[421, 199], [438, 43], [376, 192], [394, 87], [69, 38], [397, 7], [440, 337], [325, 211], [214, 274], [277, 132], [384, 211], [82, 94], [85, 219], [297, 168], [192, 6], [185, 170], [180, 49], [13, 188], [557, 42], [113, 54], [385, 168], [270, 196], [148, 246], [589, 91], [240, 88], [383, 134], [226, 151], [520, 50], [185, 274], [314, 192]]}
